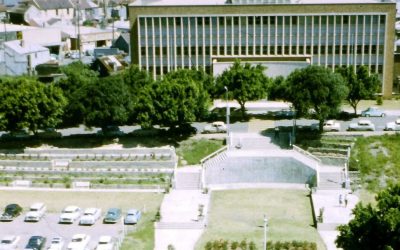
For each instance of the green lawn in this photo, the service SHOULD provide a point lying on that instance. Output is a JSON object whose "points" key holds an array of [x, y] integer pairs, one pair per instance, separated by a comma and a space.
{"points": [[378, 160], [238, 214], [193, 150]]}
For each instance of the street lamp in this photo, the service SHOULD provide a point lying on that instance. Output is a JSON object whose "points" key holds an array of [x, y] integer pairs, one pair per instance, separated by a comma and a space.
{"points": [[227, 115], [293, 141], [265, 231]]}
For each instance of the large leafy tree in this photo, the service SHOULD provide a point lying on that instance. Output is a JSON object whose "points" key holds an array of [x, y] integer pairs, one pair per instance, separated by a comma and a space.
{"points": [[316, 88], [245, 82], [360, 83], [174, 101], [105, 102], [374, 227], [28, 103], [77, 75]]}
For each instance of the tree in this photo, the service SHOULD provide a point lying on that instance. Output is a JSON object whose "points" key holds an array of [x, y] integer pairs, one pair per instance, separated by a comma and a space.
{"points": [[277, 90], [374, 227], [316, 88], [174, 101], [244, 82], [27, 103], [77, 75], [361, 84], [105, 102]]}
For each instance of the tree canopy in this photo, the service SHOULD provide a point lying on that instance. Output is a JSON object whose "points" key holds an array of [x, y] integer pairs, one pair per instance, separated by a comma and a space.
{"points": [[176, 100], [105, 102], [316, 88], [374, 227], [27, 103], [244, 82], [360, 83]]}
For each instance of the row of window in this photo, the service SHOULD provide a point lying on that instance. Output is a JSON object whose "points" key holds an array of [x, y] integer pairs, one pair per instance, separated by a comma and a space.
{"points": [[265, 20], [162, 70], [264, 50]]}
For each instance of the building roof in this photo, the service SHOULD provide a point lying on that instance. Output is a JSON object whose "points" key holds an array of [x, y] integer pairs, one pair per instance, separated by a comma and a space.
{"points": [[87, 4], [249, 2], [22, 47], [126, 36], [53, 4], [13, 27]]}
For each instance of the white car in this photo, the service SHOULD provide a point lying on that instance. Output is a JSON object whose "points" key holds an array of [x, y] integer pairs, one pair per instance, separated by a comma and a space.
{"points": [[393, 126], [362, 125], [9, 242], [105, 243], [215, 127], [70, 214], [90, 216], [331, 125], [79, 242], [57, 243], [36, 212]]}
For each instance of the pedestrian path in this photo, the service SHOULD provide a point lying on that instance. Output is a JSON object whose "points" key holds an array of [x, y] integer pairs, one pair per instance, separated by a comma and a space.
{"points": [[183, 214]]}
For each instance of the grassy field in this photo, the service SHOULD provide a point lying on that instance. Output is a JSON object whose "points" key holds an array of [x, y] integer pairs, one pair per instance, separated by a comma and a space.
{"points": [[141, 239], [193, 150], [378, 160], [238, 214]]}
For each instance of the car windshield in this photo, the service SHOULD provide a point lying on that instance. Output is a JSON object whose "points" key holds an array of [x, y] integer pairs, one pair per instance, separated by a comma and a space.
{"points": [[111, 213], [6, 241], [77, 240]]}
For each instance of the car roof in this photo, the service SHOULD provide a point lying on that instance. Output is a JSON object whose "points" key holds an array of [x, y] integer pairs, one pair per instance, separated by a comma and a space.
{"points": [[90, 210], [71, 208], [114, 209], [398, 121], [105, 238], [218, 123], [132, 211], [78, 236], [37, 205], [12, 205], [364, 121], [9, 237]]}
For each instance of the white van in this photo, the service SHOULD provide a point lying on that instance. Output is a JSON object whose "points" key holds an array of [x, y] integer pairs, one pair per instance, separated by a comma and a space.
{"points": [[36, 212]]}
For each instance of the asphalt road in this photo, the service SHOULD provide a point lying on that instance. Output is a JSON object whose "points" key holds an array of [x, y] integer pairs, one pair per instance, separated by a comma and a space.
{"points": [[49, 228]]}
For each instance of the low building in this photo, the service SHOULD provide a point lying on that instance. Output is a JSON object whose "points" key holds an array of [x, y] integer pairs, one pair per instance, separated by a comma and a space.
{"points": [[22, 57]]}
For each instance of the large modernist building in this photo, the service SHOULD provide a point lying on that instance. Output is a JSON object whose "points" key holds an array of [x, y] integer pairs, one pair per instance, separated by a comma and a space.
{"points": [[283, 34]]}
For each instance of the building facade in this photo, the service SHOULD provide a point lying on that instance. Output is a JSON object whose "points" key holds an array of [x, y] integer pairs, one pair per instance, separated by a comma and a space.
{"points": [[171, 34]]}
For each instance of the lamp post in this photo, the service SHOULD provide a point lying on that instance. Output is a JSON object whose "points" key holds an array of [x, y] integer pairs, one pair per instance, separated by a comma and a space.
{"points": [[227, 115], [265, 231], [294, 125]]}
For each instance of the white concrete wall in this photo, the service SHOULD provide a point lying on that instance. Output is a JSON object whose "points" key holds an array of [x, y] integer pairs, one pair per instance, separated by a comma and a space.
{"points": [[17, 64], [43, 37]]}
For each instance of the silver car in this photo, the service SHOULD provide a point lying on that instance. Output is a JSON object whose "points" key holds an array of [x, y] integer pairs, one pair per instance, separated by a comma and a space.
{"points": [[362, 125]]}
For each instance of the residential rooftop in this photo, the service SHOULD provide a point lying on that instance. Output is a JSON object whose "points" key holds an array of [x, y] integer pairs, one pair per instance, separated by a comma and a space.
{"points": [[250, 2]]}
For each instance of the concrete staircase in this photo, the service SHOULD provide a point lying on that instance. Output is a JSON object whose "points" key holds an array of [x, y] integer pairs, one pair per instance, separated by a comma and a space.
{"points": [[188, 178]]}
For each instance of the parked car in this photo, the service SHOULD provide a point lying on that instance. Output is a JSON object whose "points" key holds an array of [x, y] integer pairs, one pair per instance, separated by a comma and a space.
{"points": [[285, 114], [110, 131], [215, 127], [11, 211], [331, 125], [9, 242], [362, 125], [36, 212], [57, 243], [79, 242], [49, 133], [90, 216], [393, 126], [16, 135], [105, 243], [36, 243], [132, 216], [112, 216], [70, 214], [372, 111]]}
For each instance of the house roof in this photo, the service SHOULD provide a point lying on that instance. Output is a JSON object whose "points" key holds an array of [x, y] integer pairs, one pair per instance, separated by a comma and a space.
{"points": [[22, 47], [126, 36], [13, 27], [53, 4], [87, 4]]}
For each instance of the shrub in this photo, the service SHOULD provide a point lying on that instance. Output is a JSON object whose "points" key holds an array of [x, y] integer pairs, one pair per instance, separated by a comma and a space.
{"points": [[379, 100]]}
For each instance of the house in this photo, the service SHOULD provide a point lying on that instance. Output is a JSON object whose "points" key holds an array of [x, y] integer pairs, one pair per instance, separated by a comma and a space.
{"points": [[22, 57], [109, 65], [90, 38], [172, 34]]}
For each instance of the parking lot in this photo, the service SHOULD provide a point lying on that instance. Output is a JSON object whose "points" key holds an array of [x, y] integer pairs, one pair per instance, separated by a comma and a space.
{"points": [[49, 228]]}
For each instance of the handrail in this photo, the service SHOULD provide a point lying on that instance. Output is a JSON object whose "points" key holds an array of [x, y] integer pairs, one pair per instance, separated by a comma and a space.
{"points": [[213, 154], [306, 153]]}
